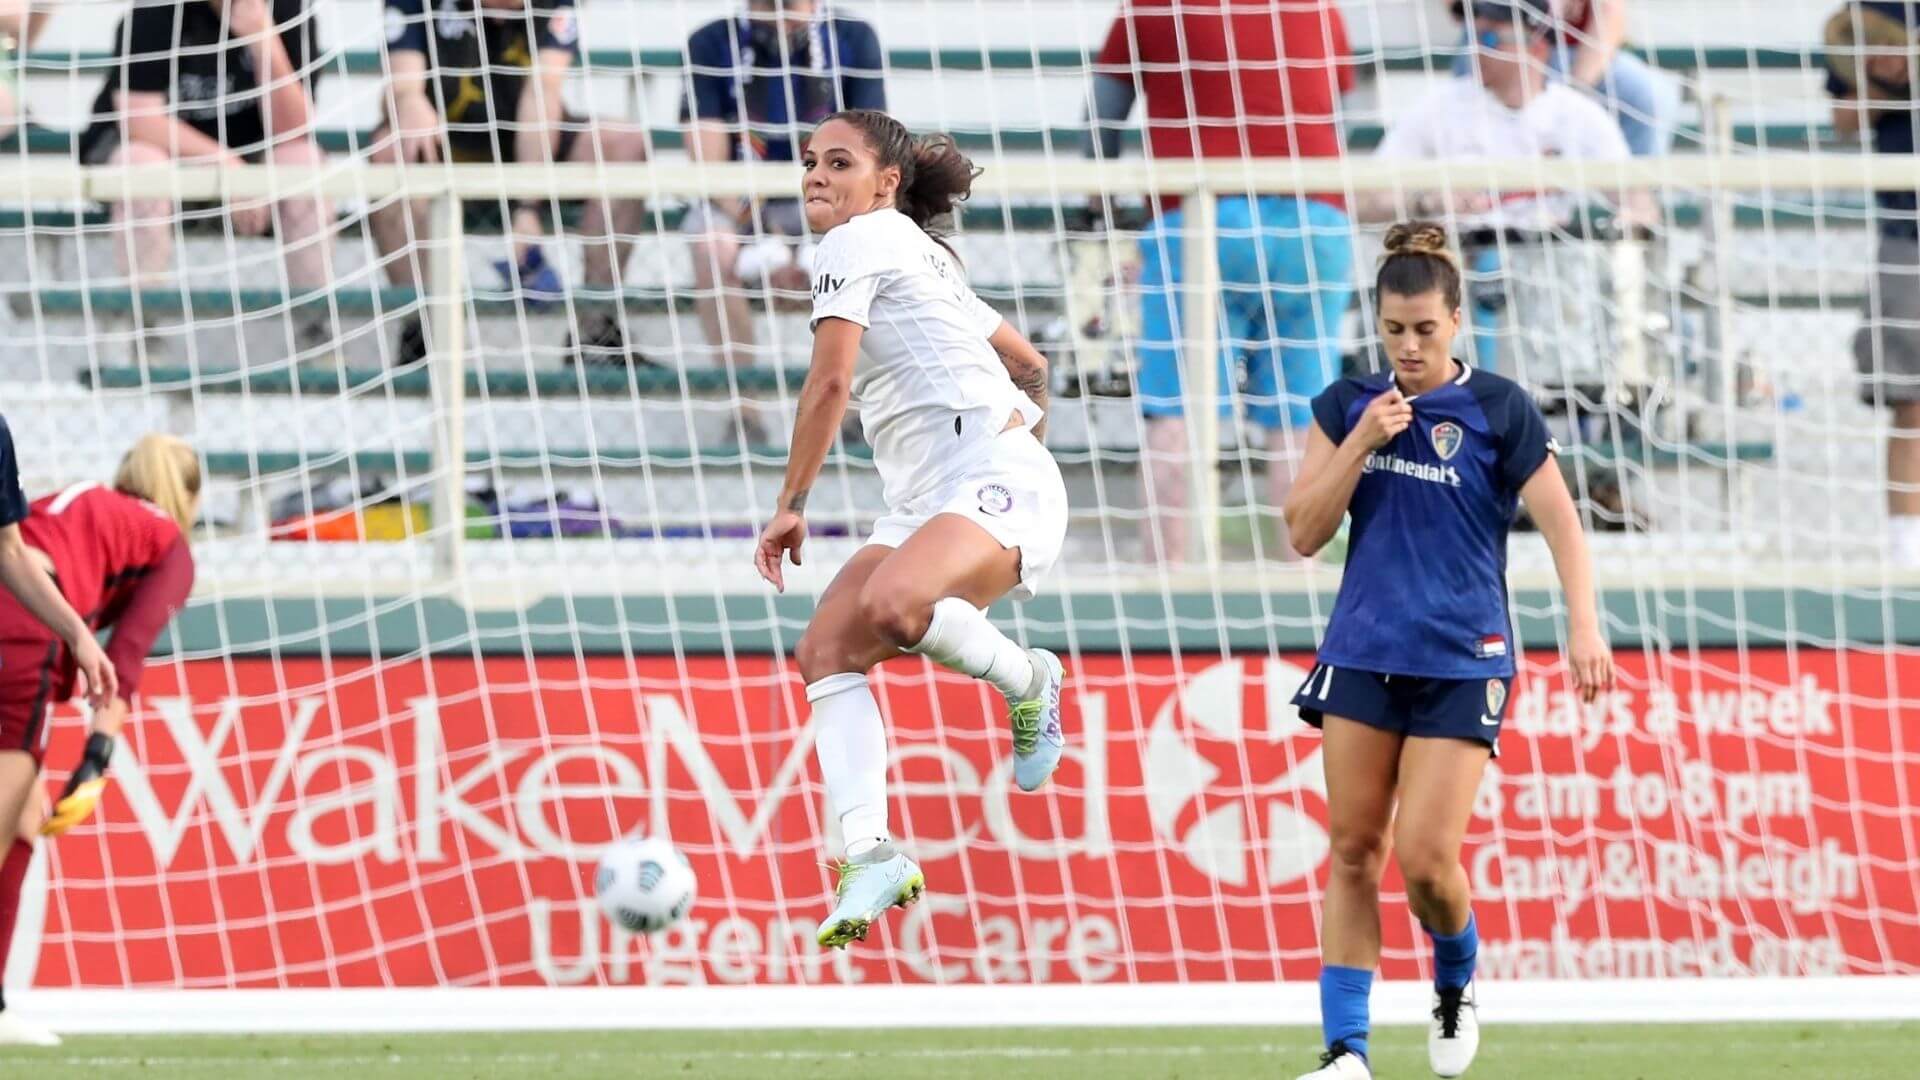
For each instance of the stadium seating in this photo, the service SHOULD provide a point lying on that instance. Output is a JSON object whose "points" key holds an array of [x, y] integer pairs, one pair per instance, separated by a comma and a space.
{"points": [[1006, 101]]}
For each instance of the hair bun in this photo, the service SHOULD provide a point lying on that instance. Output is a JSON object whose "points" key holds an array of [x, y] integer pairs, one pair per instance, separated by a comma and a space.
{"points": [[1418, 238]]}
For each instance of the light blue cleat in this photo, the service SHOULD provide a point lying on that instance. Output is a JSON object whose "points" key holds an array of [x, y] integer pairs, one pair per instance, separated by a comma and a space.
{"points": [[869, 885], [1037, 738]]}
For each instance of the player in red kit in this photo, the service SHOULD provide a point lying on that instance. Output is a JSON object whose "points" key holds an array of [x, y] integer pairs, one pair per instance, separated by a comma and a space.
{"points": [[119, 556]]}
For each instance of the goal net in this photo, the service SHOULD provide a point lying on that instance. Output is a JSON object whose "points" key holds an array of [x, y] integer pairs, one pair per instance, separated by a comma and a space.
{"points": [[473, 603]]}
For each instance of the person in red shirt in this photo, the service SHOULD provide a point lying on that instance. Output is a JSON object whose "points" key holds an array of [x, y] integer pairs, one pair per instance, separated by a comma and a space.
{"points": [[119, 556], [1236, 80], [22, 578]]}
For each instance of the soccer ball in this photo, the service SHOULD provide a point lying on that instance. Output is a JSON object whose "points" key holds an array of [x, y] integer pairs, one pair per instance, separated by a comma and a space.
{"points": [[644, 884]]}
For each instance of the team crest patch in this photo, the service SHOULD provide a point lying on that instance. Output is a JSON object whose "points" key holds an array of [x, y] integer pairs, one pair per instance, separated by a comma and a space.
{"points": [[994, 498], [1496, 696], [1447, 438]]}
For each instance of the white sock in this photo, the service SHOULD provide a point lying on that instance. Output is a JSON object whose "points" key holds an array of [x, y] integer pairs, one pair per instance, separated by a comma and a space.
{"points": [[851, 746], [1905, 530], [962, 638]]}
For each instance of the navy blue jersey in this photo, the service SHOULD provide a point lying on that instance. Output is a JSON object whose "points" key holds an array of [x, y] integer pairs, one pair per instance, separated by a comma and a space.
{"points": [[13, 501], [1425, 589], [741, 73]]}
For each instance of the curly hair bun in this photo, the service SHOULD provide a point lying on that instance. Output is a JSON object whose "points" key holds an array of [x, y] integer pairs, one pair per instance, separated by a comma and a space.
{"points": [[1419, 259], [1419, 238]]}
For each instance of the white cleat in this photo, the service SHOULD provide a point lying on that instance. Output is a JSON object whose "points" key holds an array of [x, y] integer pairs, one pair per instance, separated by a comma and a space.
{"points": [[1038, 740], [1340, 1063], [1455, 1035], [869, 885], [17, 1032]]}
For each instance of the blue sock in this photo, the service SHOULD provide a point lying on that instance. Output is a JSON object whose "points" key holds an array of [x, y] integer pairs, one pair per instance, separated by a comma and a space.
{"points": [[1343, 1006], [1454, 955]]}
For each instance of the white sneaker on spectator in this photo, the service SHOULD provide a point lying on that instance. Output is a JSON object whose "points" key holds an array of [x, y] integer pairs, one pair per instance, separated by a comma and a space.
{"points": [[1903, 536]]}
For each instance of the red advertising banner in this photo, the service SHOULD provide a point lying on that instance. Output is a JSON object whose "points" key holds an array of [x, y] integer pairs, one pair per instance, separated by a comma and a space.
{"points": [[365, 823]]}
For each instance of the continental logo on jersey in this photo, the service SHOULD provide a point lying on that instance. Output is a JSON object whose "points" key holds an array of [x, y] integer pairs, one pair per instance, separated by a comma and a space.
{"points": [[827, 283], [1418, 470], [1447, 438]]}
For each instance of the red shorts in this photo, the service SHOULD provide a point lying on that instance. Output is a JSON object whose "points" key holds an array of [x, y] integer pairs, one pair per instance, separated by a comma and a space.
{"points": [[29, 680]]}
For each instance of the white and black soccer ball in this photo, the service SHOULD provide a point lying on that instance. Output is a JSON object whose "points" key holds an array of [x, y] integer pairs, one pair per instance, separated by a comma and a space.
{"points": [[644, 884]]}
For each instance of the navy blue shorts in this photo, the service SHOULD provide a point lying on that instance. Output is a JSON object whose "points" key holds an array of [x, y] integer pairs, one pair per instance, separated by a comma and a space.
{"points": [[1411, 705]]}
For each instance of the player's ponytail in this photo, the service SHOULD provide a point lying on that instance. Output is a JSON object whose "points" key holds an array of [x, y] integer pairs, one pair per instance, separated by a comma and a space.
{"points": [[934, 174], [165, 471], [1419, 260], [941, 177]]}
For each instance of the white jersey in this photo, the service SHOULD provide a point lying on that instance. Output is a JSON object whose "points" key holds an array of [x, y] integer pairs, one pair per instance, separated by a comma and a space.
{"points": [[931, 391], [1460, 118]]}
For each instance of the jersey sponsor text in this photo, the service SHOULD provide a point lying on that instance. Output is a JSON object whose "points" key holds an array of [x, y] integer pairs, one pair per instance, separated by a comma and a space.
{"points": [[1418, 470]]}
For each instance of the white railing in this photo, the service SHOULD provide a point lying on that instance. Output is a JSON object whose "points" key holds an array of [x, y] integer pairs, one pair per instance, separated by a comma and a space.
{"points": [[1712, 176]]}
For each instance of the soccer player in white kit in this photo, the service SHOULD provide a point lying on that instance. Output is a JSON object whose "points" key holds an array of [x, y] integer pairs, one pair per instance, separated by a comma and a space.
{"points": [[953, 401]]}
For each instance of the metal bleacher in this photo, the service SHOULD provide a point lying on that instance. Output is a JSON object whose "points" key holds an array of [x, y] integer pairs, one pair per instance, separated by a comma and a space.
{"points": [[1011, 92]]}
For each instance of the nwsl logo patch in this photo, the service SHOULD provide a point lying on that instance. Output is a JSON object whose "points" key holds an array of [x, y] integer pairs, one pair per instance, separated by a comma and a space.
{"points": [[1447, 438], [1496, 696], [994, 498]]}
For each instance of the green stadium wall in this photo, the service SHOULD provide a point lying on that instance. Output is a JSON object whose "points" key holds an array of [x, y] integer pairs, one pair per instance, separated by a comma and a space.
{"points": [[1086, 621]]}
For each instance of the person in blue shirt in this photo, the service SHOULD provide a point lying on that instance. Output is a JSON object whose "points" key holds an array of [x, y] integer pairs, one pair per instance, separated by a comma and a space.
{"points": [[756, 83], [479, 81], [1431, 459]]}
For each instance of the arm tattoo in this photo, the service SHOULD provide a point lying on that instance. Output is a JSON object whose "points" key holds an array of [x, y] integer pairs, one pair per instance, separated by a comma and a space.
{"points": [[1032, 382], [798, 502], [1033, 385]]}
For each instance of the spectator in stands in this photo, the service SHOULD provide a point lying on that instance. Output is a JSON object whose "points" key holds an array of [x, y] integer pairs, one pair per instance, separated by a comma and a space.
{"points": [[1871, 49], [755, 83], [480, 81], [1231, 81], [225, 82], [20, 23], [1507, 109], [1589, 38]]}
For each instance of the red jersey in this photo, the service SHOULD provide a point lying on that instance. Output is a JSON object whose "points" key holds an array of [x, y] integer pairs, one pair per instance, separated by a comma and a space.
{"points": [[120, 561], [1249, 79]]}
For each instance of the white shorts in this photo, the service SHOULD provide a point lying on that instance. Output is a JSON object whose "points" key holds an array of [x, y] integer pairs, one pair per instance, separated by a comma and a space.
{"points": [[1014, 492]]}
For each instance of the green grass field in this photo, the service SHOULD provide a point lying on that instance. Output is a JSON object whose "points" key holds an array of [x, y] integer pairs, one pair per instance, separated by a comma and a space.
{"points": [[1601, 1052]]}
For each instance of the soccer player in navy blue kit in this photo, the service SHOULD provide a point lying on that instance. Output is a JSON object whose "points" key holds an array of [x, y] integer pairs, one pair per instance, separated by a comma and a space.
{"points": [[1431, 460]]}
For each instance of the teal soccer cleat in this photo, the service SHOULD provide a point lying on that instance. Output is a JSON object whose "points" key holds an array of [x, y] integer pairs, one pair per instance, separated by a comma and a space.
{"points": [[1037, 738], [869, 885]]}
